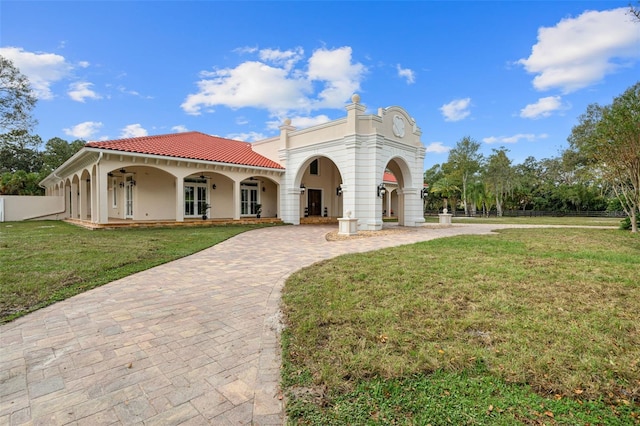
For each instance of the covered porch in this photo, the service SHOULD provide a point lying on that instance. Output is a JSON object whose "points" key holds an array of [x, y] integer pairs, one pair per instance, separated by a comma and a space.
{"points": [[117, 223]]}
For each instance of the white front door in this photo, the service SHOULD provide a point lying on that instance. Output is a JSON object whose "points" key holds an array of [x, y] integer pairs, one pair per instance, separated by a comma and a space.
{"points": [[129, 183], [248, 198], [195, 199]]}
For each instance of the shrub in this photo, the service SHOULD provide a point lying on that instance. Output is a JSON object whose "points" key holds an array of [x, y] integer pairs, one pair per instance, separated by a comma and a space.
{"points": [[625, 224]]}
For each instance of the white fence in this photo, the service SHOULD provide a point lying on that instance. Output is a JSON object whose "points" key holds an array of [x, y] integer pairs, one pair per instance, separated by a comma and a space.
{"points": [[24, 207]]}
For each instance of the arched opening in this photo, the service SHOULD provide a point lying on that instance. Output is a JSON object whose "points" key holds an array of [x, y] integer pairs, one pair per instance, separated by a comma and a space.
{"points": [[140, 193], [75, 197], [396, 178], [67, 193], [258, 197], [85, 196], [320, 189]]}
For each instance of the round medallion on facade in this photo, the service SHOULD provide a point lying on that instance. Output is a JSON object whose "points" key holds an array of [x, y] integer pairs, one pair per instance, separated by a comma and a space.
{"points": [[398, 126]]}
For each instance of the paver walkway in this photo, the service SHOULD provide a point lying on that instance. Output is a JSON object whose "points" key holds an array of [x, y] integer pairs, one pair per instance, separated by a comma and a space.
{"points": [[192, 342]]}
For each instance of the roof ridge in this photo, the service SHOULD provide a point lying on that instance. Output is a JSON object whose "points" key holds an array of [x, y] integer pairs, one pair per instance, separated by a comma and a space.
{"points": [[193, 144], [166, 135]]}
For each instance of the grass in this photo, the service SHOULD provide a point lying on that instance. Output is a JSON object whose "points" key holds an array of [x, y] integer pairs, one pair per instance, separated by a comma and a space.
{"points": [[47, 261], [539, 220], [530, 326]]}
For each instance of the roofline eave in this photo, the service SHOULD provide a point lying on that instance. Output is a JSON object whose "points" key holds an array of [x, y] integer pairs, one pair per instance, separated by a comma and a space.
{"points": [[107, 152], [74, 159]]}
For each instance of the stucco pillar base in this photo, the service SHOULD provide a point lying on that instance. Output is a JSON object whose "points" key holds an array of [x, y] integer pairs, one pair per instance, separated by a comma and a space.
{"points": [[347, 226], [445, 218]]}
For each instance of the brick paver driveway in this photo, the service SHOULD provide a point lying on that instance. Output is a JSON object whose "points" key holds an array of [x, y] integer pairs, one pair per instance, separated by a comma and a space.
{"points": [[190, 342]]}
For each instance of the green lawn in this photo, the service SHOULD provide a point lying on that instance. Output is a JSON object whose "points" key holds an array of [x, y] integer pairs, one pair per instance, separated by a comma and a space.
{"points": [[540, 220], [530, 326], [47, 261]]}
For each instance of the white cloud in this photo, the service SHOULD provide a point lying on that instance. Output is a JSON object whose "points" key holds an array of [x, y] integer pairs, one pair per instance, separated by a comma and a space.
{"points": [[299, 122], [456, 110], [282, 85], [250, 84], [579, 52], [304, 122], [438, 148], [83, 64], [84, 130], [42, 69], [529, 137], [246, 49], [286, 58], [81, 90], [246, 137], [543, 108], [340, 76], [133, 131], [180, 128], [407, 74]]}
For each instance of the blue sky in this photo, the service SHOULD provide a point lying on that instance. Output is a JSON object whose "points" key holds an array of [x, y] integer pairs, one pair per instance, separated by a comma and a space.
{"points": [[506, 73]]}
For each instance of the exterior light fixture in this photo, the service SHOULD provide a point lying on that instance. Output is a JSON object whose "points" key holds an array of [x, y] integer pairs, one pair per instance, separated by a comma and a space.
{"points": [[424, 193], [381, 190], [213, 186], [302, 188], [339, 190]]}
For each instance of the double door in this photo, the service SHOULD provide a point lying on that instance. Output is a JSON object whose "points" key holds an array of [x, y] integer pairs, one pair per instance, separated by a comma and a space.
{"points": [[195, 199]]}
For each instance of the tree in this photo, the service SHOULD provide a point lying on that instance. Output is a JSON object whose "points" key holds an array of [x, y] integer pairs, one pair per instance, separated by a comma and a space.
{"points": [[446, 189], [20, 183], [464, 160], [481, 197], [635, 13], [527, 180], [57, 151], [17, 100], [499, 176], [18, 151], [609, 137], [431, 176]]}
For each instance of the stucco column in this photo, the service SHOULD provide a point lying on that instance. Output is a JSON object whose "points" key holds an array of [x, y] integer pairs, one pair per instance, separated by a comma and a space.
{"points": [[388, 195], [179, 199], [413, 214], [102, 192], [236, 199], [94, 197]]}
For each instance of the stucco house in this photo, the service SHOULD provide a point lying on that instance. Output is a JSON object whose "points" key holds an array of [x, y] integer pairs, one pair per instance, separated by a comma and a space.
{"points": [[363, 166]]}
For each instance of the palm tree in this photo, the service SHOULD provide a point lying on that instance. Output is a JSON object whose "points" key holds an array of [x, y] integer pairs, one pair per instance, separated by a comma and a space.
{"points": [[446, 188]]}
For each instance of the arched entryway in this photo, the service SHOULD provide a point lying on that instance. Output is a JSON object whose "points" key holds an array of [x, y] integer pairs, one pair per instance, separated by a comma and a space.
{"points": [[320, 183], [84, 191], [397, 178]]}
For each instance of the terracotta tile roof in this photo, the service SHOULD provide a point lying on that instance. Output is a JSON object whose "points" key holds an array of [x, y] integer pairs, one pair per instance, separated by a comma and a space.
{"points": [[193, 146], [389, 177]]}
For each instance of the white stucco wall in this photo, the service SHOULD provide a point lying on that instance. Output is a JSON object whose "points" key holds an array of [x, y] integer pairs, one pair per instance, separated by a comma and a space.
{"points": [[23, 207]]}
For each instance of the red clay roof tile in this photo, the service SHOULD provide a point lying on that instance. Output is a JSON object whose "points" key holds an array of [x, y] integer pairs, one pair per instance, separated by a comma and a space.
{"points": [[191, 145], [389, 177]]}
